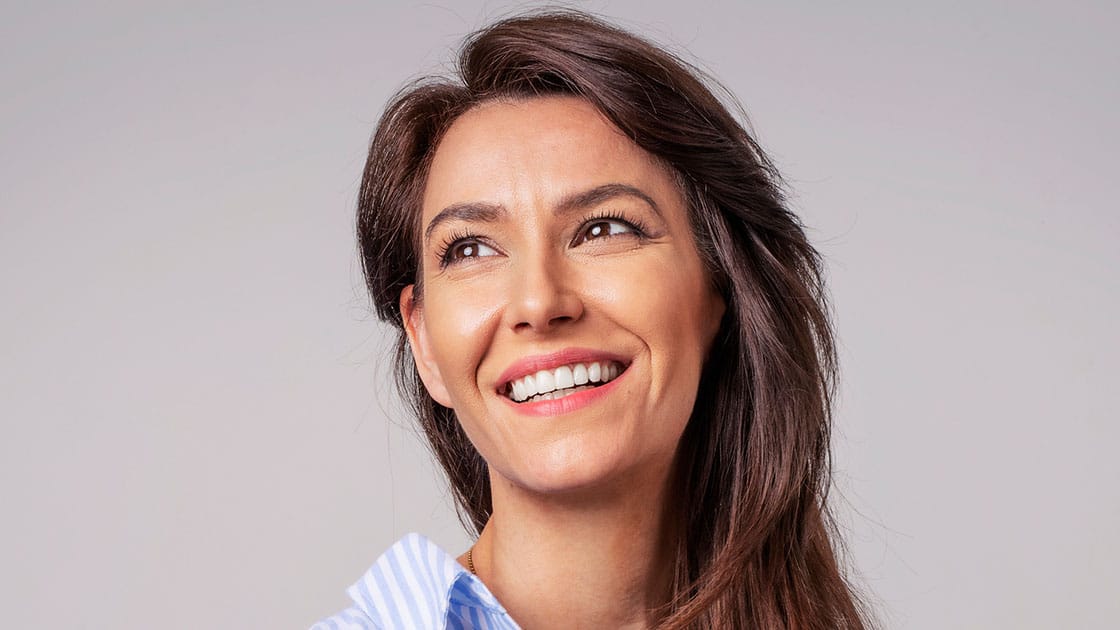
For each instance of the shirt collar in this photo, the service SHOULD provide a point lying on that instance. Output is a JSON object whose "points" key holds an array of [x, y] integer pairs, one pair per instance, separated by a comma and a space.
{"points": [[417, 578]]}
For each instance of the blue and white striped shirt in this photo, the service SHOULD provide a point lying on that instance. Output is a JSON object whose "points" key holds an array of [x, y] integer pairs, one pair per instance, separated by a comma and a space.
{"points": [[415, 584]]}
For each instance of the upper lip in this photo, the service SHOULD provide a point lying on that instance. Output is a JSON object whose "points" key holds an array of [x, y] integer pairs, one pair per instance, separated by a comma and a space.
{"points": [[535, 363]]}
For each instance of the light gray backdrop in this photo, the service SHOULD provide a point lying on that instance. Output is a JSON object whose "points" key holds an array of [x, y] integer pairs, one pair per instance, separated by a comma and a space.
{"points": [[198, 427]]}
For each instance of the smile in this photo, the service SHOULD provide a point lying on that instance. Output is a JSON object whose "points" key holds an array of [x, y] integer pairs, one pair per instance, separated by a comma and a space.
{"points": [[562, 381]]}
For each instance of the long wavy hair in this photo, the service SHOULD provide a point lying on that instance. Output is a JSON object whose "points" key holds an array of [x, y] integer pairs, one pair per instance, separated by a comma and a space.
{"points": [[757, 545]]}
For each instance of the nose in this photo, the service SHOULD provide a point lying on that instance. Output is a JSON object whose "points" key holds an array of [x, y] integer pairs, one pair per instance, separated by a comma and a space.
{"points": [[542, 296]]}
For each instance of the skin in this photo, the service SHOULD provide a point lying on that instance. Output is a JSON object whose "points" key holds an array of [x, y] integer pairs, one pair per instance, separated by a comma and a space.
{"points": [[577, 535]]}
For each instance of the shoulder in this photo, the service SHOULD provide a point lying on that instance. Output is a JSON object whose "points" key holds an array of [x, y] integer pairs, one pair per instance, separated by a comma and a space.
{"points": [[350, 619]]}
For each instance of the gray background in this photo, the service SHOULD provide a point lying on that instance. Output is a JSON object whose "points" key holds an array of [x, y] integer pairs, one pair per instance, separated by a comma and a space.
{"points": [[198, 427]]}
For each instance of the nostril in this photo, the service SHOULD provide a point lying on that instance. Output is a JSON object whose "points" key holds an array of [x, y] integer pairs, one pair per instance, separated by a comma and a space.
{"points": [[549, 323]]}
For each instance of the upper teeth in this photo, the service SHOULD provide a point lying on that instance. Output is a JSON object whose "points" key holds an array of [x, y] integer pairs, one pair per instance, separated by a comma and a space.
{"points": [[563, 377]]}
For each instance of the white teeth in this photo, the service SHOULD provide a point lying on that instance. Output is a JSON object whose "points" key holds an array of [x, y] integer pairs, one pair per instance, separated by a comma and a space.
{"points": [[579, 374], [564, 378], [550, 384], [545, 381]]}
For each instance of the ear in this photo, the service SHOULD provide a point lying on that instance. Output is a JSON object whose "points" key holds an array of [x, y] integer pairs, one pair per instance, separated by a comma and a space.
{"points": [[412, 313]]}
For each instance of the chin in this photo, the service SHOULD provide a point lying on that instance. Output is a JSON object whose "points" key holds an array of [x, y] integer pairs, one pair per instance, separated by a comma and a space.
{"points": [[567, 478], [585, 471]]}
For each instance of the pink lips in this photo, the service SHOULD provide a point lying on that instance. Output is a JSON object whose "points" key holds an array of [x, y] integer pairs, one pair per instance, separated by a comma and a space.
{"points": [[569, 403], [536, 363]]}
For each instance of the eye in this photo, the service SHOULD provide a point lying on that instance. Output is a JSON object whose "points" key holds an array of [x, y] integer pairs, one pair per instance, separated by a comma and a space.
{"points": [[464, 248], [605, 227]]}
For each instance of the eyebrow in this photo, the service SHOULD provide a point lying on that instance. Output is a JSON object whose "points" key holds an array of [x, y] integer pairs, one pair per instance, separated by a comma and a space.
{"points": [[491, 212]]}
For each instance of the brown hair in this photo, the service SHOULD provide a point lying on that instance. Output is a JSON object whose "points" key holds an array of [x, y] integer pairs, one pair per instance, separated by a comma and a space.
{"points": [[756, 548]]}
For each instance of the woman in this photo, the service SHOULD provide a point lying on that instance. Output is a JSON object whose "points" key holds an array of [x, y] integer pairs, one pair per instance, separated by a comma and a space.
{"points": [[615, 336]]}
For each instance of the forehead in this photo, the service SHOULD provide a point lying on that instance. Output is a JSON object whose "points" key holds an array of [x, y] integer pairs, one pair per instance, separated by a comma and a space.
{"points": [[532, 152]]}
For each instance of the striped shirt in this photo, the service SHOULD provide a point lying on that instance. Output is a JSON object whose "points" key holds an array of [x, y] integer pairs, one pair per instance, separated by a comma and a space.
{"points": [[415, 584]]}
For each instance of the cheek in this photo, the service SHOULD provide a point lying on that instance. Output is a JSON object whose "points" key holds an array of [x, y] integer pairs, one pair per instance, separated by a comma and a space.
{"points": [[460, 324], [667, 304]]}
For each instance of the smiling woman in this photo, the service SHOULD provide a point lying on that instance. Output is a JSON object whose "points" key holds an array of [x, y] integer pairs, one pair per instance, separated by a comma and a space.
{"points": [[584, 264], [615, 338]]}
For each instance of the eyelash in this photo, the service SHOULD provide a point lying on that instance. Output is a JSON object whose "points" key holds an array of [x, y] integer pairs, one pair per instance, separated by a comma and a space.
{"points": [[453, 240], [457, 238], [635, 225]]}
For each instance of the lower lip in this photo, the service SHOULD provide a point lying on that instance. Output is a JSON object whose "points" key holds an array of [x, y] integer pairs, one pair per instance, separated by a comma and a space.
{"points": [[565, 405]]}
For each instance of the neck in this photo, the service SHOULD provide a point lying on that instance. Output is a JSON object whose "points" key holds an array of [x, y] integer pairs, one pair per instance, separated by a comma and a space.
{"points": [[579, 560]]}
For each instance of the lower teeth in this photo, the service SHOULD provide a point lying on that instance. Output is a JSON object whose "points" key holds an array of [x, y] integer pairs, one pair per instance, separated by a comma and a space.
{"points": [[560, 393]]}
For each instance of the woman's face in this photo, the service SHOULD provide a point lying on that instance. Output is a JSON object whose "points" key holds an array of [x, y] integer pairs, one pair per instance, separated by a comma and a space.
{"points": [[566, 313]]}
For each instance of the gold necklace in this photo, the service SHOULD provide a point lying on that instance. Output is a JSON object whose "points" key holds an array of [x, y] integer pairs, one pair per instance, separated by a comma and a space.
{"points": [[470, 560]]}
